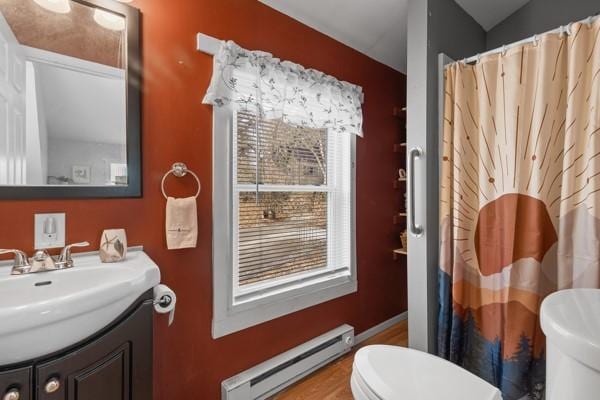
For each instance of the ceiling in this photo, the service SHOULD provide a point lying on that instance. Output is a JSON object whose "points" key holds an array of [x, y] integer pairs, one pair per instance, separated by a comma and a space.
{"points": [[82, 106], [490, 13], [75, 34], [377, 28]]}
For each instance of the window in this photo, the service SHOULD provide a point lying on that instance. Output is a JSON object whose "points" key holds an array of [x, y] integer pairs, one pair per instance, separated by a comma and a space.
{"points": [[283, 201], [289, 243], [291, 202]]}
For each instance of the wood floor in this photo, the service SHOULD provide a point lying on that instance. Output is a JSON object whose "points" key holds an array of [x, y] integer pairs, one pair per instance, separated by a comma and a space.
{"points": [[332, 382]]}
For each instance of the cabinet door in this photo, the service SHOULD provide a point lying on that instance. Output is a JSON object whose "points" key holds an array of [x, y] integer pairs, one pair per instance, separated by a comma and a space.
{"points": [[116, 366], [18, 380]]}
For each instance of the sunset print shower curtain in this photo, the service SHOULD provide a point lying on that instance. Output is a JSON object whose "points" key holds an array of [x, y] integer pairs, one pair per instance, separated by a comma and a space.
{"points": [[520, 201]]}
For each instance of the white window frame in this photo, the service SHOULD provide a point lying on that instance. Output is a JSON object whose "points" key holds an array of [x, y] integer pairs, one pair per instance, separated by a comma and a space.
{"points": [[232, 314]]}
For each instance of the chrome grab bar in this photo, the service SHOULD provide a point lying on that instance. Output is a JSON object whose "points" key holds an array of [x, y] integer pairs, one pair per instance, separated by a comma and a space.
{"points": [[414, 228]]}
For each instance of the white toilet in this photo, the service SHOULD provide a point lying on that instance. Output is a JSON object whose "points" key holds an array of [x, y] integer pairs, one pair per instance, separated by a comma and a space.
{"points": [[396, 373], [571, 321]]}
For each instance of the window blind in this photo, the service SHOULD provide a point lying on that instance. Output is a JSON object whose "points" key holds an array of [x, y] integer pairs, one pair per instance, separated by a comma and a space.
{"points": [[287, 155], [292, 200], [281, 234]]}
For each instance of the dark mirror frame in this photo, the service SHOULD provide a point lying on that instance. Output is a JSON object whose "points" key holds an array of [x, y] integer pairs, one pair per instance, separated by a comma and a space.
{"points": [[133, 125]]}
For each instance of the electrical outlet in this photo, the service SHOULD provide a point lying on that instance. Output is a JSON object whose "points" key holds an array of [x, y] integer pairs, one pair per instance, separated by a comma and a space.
{"points": [[49, 231]]}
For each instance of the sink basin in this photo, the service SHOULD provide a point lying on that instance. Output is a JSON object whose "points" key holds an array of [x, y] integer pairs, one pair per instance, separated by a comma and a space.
{"points": [[45, 312]]}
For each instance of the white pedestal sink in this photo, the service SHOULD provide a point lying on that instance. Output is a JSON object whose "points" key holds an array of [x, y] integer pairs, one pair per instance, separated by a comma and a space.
{"points": [[571, 321], [45, 312]]}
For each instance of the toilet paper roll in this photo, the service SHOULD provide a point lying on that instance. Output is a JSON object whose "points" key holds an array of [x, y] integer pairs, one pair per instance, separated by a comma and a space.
{"points": [[164, 301]]}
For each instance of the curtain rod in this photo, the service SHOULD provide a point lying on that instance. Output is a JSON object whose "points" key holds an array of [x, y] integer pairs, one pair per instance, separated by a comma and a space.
{"points": [[564, 29]]}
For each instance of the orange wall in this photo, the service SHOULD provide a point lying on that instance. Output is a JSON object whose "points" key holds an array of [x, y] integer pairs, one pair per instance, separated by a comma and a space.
{"points": [[177, 127]]}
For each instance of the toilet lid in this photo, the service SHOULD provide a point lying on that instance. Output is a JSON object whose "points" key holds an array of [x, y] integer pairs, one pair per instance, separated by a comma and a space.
{"points": [[393, 372]]}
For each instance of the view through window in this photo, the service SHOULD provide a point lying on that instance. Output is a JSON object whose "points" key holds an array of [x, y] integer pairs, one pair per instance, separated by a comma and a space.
{"points": [[282, 198]]}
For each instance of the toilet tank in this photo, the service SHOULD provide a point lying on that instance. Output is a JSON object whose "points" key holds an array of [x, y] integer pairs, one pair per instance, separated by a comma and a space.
{"points": [[570, 320]]}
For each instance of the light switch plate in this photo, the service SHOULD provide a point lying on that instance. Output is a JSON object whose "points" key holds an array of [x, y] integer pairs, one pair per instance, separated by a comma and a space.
{"points": [[49, 231]]}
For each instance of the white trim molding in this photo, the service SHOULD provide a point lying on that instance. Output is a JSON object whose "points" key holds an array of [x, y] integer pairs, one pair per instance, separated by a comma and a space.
{"points": [[369, 333], [207, 44], [232, 312], [72, 63]]}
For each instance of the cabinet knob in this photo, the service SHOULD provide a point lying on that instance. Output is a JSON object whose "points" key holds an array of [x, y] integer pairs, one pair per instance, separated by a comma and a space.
{"points": [[12, 394], [52, 385]]}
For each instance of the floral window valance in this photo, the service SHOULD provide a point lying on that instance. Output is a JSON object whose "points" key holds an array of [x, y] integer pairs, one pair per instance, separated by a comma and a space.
{"points": [[255, 81]]}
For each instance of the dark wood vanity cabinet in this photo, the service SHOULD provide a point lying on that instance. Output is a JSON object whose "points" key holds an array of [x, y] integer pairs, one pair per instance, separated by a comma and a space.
{"points": [[17, 381], [114, 365]]}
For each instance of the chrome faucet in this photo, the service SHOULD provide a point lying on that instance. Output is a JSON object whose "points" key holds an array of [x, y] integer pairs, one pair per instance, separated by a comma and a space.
{"points": [[41, 260], [21, 263], [64, 259]]}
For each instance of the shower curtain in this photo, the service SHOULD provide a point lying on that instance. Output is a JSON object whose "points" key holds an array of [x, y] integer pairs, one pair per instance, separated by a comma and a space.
{"points": [[520, 201]]}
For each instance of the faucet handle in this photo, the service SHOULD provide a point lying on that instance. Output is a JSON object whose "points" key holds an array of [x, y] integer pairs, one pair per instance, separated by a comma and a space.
{"points": [[65, 254], [21, 263]]}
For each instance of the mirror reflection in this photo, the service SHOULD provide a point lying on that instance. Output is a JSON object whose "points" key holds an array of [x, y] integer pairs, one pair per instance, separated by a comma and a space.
{"points": [[62, 94]]}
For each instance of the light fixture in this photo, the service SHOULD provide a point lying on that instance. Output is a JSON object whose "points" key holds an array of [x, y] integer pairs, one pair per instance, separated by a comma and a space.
{"points": [[57, 6], [109, 20]]}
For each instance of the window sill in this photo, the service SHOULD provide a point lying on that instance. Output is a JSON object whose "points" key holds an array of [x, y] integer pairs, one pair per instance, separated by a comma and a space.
{"points": [[266, 308], [286, 286]]}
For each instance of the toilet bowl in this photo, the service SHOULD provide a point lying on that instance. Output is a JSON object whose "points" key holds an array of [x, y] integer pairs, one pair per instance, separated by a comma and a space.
{"points": [[382, 372]]}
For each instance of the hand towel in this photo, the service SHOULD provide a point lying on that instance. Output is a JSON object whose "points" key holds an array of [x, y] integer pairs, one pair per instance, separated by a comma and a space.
{"points": [[181, 223]]}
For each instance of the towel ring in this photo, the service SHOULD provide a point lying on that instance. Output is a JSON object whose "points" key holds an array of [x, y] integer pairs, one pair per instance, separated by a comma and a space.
{"points": [[179, 169]]}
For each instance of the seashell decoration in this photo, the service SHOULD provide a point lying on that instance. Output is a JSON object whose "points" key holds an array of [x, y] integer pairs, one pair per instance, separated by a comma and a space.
{"points": [[113, 245]]}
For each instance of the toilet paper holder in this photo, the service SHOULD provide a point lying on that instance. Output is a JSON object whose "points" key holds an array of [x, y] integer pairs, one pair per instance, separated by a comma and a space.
{"points": [[163, 301]]}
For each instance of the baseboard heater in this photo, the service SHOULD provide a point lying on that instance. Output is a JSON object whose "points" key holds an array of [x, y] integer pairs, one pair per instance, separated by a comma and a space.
{"points": [[281, 371]]}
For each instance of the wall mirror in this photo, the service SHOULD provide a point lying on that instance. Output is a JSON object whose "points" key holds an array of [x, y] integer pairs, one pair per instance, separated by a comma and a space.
{"points": [[70, 78]]}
